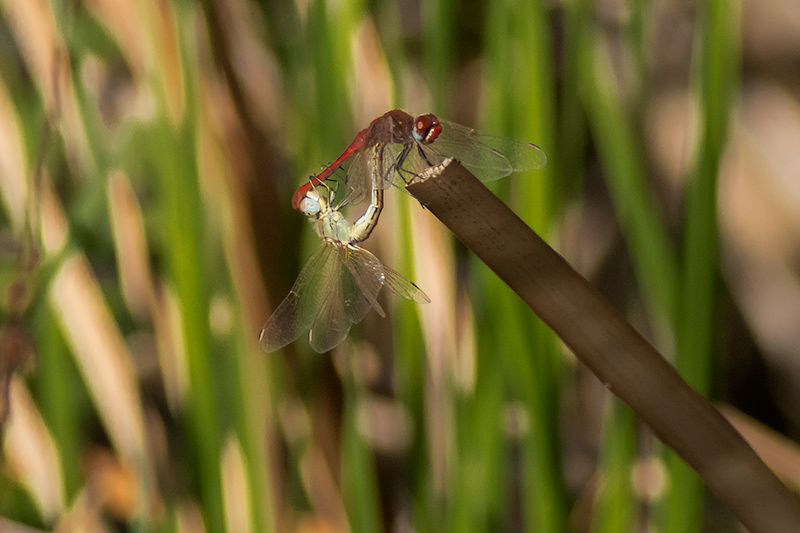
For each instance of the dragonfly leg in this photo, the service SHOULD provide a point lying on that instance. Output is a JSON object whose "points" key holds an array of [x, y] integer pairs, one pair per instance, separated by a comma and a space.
{"points": [[398, 164], [423, 155]]}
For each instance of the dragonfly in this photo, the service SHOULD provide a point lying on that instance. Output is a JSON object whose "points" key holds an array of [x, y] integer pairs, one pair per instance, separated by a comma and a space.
{"points": [[397, 146], [339, 284]]}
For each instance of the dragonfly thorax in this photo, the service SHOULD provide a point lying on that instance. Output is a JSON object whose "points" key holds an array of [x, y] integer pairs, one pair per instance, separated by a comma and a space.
{"points": [[334, 227], [331, 224]]}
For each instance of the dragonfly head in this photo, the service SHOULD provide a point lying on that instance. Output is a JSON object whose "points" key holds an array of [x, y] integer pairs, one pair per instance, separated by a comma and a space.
{"points": [[300, 195], [310, 203], [427, 128]]}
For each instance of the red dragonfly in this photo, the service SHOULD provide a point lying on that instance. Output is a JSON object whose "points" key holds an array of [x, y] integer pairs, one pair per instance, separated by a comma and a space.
{"points": [[397, 146]]}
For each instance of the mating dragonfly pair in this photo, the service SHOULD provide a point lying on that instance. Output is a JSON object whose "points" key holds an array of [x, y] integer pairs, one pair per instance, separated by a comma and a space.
{"points": [[341, 281]]}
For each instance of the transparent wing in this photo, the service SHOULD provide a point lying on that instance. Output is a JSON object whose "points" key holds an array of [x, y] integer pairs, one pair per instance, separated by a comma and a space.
{"points": [[336, 289], [378, 162], [331, 325], [371, 276], [384, 161], [352, 180], [327, 299], [356, 180], [352, 292], [415, 158], [301, 308], [486, 156], [367, 275], [349, 300], [368, 163], [403, 286]]}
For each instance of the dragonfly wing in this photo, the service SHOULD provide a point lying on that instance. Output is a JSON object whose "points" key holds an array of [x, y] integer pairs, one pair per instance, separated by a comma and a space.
{"points": [[347, 181], [336, 289], [487, 156], [371, 276], [404, 287], [382, 163], [377, 163], [366, 276], [357, 180], [351, 293], [522, 155], [331, 324], [300, 308], [419, 157], [283, 326]]}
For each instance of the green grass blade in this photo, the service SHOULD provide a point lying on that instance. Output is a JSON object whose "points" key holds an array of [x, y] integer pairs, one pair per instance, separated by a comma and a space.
{"points": [[614, 503], [715, 75], [521, 103], [359, 481], [621, 154], [438, 21], [185, 251]]}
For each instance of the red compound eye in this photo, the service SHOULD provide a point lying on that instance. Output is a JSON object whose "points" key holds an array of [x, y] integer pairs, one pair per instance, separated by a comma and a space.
{"points": [[427, 128]]}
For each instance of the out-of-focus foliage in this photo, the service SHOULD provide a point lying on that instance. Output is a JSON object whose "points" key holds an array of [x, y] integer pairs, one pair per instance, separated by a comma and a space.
{"points": [[148, 154]]}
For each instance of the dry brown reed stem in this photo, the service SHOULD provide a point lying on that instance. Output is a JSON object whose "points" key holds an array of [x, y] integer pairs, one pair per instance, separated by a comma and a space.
{"points": [[611, 348]]}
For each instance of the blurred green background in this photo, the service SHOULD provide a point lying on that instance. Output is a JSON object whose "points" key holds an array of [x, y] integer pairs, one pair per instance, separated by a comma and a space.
{"points": [[148, 154]]}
